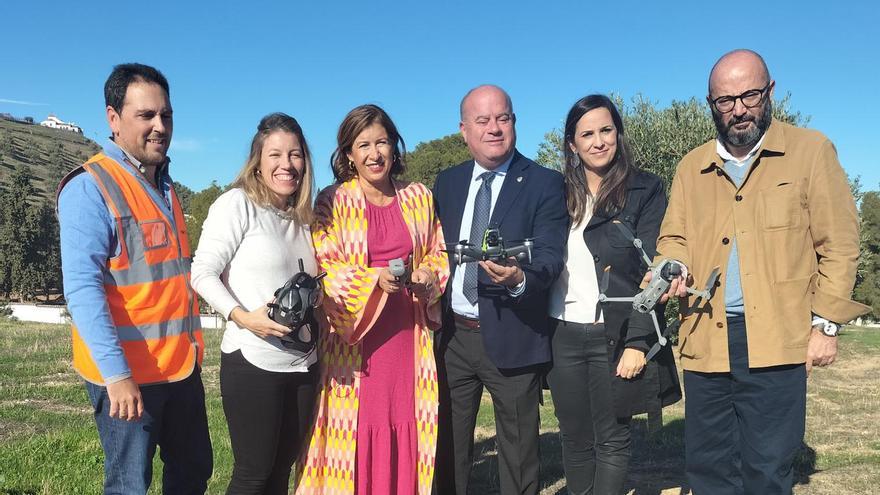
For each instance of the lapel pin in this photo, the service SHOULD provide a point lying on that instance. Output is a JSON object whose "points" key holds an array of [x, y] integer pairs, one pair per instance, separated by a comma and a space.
{"points": [[519, 179]]}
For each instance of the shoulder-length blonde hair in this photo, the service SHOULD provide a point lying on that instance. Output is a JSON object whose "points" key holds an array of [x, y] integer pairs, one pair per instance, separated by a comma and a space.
{"points": [[299, 205]]}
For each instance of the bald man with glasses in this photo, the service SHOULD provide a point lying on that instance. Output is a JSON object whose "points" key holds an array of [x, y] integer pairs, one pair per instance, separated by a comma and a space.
{"points": [[769, 204]]}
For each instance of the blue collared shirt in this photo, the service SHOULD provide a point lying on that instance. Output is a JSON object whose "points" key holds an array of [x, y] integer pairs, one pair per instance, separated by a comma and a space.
{"points": [[88, 240], [460, 304]]}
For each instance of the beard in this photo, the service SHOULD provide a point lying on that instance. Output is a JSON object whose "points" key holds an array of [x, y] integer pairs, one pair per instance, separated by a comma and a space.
{"points": [[743, 139]]}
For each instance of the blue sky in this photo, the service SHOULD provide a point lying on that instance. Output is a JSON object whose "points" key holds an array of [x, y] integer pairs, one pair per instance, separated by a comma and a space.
{"points": [[230, 63]]}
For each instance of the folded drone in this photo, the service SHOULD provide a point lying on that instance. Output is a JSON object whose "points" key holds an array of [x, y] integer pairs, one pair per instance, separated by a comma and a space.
{"points": [[662, 275]]}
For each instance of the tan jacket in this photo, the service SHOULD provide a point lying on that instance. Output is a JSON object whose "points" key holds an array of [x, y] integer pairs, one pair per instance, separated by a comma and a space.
{"points": [[797, 234]]}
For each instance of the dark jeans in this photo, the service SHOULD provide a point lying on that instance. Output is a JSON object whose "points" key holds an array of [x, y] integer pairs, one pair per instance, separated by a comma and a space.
{"points": [[464, 370], [743, 428], [595, 443], [268, 414], [174, 419]]}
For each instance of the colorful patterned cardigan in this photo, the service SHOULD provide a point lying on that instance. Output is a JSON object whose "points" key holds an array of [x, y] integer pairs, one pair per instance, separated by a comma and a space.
{"points": [[352, 303]]}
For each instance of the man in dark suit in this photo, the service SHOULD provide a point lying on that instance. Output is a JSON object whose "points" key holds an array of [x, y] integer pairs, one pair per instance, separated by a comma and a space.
{"points": [[495, 332]]}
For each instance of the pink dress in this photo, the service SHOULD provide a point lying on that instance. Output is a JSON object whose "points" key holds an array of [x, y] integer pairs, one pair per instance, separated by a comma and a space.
{"points": [[387, 433]]}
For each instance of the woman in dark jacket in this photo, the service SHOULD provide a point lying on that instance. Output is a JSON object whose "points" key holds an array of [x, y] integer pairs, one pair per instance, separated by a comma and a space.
{"points": [[600, 378]]}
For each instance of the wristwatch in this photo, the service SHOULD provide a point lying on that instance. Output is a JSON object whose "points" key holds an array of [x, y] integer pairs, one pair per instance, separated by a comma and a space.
{"points": [[828, 328]]}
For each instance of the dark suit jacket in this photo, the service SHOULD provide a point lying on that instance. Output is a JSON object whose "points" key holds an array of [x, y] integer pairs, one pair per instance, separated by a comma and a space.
{"points": [[642, 215], [531, 204]]}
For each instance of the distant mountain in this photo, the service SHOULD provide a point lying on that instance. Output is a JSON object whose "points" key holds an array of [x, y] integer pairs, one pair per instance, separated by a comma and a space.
{"points": [[49, 153]]}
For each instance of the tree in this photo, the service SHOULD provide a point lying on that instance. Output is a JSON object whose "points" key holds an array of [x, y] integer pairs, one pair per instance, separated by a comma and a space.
{"points": [[430, 157], [58, 165], [45, 261], [32, 152], [184, 194], [867, 290], [18, 233], [550, 150], [199, 204]]}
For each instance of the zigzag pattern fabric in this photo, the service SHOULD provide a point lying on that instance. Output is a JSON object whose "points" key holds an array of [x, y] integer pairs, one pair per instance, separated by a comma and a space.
{"points": [[352, 303]]}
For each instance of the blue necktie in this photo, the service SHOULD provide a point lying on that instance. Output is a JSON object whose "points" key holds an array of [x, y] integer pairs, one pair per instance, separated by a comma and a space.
{"points": [[482, 205]]}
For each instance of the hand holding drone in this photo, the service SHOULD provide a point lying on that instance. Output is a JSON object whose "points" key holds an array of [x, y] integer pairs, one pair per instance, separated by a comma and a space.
{"points": [[662, 275], [293, 308], [493, 248]]}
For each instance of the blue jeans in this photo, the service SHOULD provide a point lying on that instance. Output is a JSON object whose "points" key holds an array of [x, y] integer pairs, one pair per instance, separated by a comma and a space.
{"points": [[174, 419]]}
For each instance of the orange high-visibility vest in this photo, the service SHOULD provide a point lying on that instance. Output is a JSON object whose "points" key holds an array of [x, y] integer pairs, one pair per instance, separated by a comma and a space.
{"points": [[153, 307]]}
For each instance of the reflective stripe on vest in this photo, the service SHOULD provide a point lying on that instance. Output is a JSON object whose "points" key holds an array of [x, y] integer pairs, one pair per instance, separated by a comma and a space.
{"points": [[152, 305]]}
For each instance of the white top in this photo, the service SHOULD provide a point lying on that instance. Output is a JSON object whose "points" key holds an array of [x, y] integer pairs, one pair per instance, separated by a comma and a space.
{"points": [[246, 252], [460, 303], [575, 298]]}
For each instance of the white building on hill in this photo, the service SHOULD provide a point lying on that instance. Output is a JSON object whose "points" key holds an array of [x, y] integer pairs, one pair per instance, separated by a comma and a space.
{"points": [[56, 123]]}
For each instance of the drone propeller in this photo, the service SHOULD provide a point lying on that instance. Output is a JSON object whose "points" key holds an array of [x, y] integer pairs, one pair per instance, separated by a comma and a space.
{"points": [[463, 242], [457, 247], [520, 241], [713, 278], [633, 239]]}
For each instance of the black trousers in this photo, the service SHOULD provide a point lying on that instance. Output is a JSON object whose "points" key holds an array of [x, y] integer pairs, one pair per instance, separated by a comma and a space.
{"points": [[743, 428], [464, 370], [595, 442], [268, 414]]}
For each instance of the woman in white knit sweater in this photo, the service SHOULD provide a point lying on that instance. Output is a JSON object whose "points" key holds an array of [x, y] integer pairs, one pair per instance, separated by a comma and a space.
{"points": [[251, 244]]}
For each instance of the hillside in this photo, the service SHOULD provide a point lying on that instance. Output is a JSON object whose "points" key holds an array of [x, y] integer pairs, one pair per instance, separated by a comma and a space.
{"points": [[50, 154]]}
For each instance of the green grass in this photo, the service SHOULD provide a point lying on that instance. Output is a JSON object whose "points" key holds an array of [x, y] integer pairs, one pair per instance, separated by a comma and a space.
{"points": [[50, 445], [869, 338]]}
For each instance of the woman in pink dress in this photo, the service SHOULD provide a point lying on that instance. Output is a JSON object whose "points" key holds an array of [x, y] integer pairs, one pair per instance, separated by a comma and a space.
{"points": [[376, 423]]}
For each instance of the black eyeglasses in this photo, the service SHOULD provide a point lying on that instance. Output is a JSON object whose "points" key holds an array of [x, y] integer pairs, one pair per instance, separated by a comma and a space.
{"points": [[749, 99]]}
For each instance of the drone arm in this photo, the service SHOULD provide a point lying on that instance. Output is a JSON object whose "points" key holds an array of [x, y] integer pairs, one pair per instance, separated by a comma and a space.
{"points": [[701, 294], [522, 253], [640, 328], [650, 217], [616, 299]]}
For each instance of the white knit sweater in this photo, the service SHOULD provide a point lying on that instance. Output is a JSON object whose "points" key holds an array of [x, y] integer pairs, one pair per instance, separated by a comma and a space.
{"points": [[245, 253]]}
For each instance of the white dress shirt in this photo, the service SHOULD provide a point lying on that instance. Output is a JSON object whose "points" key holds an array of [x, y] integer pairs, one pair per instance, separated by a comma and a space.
{"points": [[460, 304], [575, 294]]}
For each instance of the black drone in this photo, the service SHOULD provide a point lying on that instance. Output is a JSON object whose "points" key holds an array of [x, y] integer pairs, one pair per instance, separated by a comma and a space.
{"points": [[662, 274], [293, 308], [493, 248]]}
